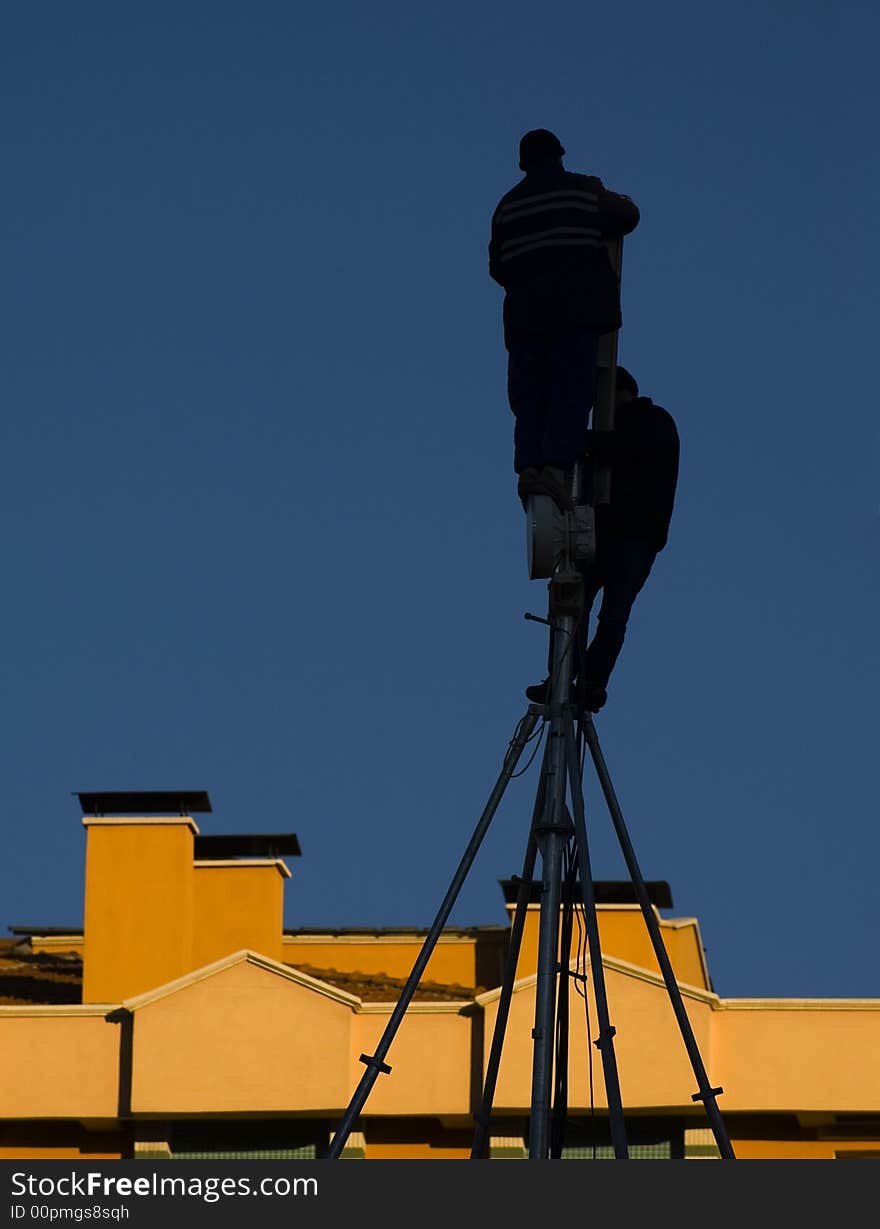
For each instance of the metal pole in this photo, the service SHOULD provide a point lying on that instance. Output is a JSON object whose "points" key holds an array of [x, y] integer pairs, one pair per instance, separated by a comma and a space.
{"points": [[551, 845], [480, 1146], [603, 414], [707, 1093], [376, 1062], [559, 1114], [551, 833], [605, 1041]]}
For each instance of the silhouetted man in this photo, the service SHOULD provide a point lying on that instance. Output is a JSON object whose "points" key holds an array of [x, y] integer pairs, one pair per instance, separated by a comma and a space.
{"points": [[547, 251], [643, 452]]}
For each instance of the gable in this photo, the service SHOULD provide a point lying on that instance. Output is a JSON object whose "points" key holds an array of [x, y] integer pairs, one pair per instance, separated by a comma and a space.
{"points": [[244, 1035], [652, 1062]]}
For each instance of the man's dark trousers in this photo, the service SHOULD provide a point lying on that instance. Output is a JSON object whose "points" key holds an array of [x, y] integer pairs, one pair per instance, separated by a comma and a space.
{"points": [[622, 566], [551, 385]]}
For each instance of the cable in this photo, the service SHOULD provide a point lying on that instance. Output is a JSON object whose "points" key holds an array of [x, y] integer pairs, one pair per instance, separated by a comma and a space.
{"points": [[571, 641], [539, 734]]}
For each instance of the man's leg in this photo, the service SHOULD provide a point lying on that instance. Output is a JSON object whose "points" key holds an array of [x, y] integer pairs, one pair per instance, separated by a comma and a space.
{"points": [[571, 391], [628, 563], [527, 382], [593, 581], [526, 392]]}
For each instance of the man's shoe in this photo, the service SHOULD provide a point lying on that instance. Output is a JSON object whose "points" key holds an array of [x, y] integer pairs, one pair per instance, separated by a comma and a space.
{"points": [[538, 693], [591, 696], [556, 485], [528, 485], [545, 481]]}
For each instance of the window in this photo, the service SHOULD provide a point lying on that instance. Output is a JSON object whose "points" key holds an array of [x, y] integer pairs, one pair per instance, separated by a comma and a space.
{"points": [[250, 1140], [648, 1139]]}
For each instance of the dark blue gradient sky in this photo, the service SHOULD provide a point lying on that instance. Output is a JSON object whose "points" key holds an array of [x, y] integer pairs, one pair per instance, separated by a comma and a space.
{"points": [[259, 524]]}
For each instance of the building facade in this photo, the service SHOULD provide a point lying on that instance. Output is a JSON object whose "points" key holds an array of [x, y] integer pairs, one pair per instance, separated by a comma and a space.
{"points": [[183, 1021]]}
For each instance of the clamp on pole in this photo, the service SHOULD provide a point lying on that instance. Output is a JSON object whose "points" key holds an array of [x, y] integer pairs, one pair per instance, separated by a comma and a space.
{"points": [[375, 1064], [605, 1037], [704, 1096]]}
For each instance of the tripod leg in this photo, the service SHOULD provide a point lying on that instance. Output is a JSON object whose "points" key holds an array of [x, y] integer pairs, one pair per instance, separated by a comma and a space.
{"points": [[376, 1062], [605, 1041], [480, 1147], [559, 1114], [707, 1094]]}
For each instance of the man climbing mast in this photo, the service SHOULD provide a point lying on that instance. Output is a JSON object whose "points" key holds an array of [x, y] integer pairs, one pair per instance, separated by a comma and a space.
{"points": [[561, 294], [643, 453]]}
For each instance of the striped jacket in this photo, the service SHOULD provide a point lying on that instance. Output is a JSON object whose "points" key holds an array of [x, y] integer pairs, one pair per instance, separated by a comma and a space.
{"points": [[547, 251]]}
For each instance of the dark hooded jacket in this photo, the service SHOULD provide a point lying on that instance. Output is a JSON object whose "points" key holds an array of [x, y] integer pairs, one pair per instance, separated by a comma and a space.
{"points": [[547, 251], [643, 451]]}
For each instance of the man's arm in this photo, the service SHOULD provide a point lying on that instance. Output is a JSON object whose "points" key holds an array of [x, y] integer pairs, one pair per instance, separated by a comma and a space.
{"points": [[620, 215], [495, 252], [656, 436]]}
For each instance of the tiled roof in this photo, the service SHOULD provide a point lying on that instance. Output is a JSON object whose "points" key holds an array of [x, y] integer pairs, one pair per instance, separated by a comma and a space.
{"points": [[381, 988], [28, 977], [470, 932]]}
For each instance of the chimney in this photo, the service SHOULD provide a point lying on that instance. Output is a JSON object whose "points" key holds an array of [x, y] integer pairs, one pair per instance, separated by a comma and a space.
{"points": [[239, 894], [139, 891], [161, 900]]}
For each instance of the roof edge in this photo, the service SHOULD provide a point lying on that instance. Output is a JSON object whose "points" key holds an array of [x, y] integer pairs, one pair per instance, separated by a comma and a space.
{"points": [[244, 956]]}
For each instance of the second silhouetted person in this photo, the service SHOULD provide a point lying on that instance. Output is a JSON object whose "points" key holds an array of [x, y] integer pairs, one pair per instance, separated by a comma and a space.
{"points": [[643, 452], [561, 294]]}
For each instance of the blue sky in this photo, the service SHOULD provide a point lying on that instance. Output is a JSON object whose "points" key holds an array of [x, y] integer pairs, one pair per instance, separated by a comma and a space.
{"points": [[259, 521]]}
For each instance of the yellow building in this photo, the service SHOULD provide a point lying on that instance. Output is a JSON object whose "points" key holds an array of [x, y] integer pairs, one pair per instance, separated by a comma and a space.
{"points": [[183, 1021]]}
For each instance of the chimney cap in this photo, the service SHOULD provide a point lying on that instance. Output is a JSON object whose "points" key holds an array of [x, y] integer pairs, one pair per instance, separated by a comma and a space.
{"points": [[45, 931], [250, 845], [606, 891], [145, 802]]}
